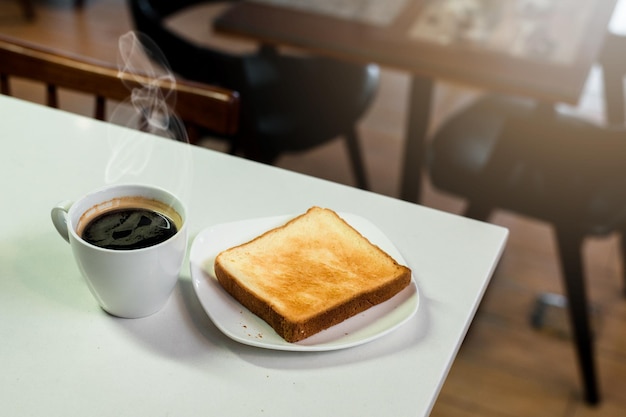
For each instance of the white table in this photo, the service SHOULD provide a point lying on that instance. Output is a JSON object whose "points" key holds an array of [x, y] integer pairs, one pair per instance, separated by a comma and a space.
{"points": [[61, 355]]}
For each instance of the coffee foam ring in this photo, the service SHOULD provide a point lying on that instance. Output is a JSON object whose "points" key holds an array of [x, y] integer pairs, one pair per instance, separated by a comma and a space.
{"points": [[126, 202]]}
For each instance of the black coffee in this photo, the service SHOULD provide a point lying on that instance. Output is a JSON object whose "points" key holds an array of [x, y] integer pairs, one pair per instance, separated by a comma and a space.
{"points": [[129, 228]]}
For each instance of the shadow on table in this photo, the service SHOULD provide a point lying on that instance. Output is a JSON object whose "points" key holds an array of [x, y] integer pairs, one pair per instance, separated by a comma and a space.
{"points": [[196, 337], [403, 337], [201, 339]]}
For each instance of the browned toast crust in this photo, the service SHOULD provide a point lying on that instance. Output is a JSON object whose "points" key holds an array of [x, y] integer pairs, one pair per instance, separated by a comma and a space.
{"points": [[293, 330]]}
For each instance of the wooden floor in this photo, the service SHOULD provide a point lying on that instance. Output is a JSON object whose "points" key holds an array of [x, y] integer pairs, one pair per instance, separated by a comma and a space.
{"points": [[505, 367]]}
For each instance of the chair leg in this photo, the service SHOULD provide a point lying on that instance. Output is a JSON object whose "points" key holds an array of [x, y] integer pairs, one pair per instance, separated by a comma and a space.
{"points": [[570, 253], [420, 96], [356, 159], [52, 97], [5, 87], [100, 110]]}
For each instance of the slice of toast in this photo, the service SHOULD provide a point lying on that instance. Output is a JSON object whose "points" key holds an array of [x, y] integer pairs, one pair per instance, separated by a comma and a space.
{"points": [[309, 274]]}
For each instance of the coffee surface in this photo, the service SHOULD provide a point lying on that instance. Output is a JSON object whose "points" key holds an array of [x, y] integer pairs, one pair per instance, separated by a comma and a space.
{"points": [[129, 228]]}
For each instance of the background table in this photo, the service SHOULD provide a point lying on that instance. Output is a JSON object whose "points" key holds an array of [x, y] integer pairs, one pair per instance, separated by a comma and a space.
{"points": [[62, 355], [546, 54]]}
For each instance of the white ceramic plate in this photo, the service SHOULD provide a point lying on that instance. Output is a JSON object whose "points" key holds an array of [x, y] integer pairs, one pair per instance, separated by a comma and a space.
{"points": [[238, 323]]}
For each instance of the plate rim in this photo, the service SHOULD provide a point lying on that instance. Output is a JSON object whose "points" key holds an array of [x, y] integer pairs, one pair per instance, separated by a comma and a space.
{"points": [[200, 278]]}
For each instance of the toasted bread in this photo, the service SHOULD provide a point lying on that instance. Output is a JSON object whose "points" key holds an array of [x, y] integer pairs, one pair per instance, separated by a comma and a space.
{"points": [[313, 272]]}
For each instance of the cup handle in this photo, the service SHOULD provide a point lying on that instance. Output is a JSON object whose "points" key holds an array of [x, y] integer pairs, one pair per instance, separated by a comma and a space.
{"points": [[59, 218]]}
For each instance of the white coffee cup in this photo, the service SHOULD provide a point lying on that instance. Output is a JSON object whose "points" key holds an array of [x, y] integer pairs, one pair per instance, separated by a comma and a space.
{"points": [[128, 283]]}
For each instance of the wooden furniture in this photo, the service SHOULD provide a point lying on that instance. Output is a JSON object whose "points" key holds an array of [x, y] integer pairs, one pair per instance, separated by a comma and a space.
{"points": [[504, 152], [290, 103], [61, 352], [399, 42], [198, 105]]}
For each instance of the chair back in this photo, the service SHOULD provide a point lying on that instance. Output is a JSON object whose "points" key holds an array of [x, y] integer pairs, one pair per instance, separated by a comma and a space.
{"points": [[198, 105], [290, 102], [190, 60]]}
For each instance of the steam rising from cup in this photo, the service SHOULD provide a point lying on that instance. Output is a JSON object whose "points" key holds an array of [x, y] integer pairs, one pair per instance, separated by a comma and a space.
{"points": [[144, 70]]}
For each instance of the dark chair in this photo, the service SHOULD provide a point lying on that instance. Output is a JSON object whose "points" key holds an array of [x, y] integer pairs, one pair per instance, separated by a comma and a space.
{"points": [[518, 155], [289, 103], [199, 106]]}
